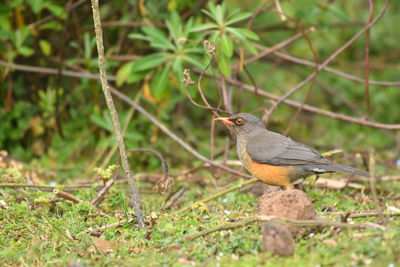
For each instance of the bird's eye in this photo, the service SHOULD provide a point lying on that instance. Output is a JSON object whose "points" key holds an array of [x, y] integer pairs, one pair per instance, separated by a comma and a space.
{"points": [[239, 121]]}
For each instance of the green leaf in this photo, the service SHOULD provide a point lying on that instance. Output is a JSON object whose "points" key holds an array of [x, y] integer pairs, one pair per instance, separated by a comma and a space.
{"points": [[36, 5], [226, 45], [236, 32], [223, 64], [45, 46], [174, 26], [249, 34], [158, 38], [219, 15], [149, 62], [159, 84], [213, 10], [194, 60], [239, 17], [249, 46], [203, 27], [124, 72], [137, 76], [177, 64], [232, 13], [102, 121], [57, 10], [214, 37], [139, 36], [25, 51]]}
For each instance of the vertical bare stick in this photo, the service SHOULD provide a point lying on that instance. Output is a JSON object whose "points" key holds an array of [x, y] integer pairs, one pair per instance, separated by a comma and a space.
{"points": [[113, 112], [371, 16]]}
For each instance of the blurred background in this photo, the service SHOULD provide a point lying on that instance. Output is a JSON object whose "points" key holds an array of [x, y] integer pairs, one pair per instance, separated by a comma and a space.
{"points": [[53, 112]]}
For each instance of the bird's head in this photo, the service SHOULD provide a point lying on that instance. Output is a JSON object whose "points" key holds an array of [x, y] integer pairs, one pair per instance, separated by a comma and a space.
{"points": [[242, 123]]}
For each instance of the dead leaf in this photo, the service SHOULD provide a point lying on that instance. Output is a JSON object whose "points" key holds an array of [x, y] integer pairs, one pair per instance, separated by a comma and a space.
{"points": [[3, 204], [336, 184], [104, 246]]}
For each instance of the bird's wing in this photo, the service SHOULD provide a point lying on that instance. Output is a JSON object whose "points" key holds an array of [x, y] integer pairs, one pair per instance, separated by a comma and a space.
{"points": [[277, 150]]}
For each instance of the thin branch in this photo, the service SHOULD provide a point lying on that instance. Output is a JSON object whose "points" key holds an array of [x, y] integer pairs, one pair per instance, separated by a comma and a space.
{"points": [[292, 222], [102, 192], [44, 187], [53, 71], [113, 112], [66, 195], [270, 50], [328, 60], [166, 181], [327, 69], [279, 9], [373, 181], [367, 98]]}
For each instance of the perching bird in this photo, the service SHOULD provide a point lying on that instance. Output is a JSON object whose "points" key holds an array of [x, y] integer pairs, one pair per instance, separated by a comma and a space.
{"points": [[276, 159]]}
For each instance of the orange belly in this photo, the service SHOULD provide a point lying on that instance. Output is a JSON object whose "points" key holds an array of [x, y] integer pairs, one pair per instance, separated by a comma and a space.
{"points": [[272, 175]]}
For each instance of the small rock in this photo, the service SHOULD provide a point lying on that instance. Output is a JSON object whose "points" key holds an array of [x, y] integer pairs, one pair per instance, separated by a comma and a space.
{"points": [[292, 204], [277, 239]]}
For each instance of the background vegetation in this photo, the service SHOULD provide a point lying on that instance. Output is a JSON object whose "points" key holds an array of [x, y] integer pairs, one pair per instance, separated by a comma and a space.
{"points": [[54, 121]]}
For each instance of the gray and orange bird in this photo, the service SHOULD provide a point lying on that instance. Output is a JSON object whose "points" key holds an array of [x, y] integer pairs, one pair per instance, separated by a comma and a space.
{"points": [[276, 159]]}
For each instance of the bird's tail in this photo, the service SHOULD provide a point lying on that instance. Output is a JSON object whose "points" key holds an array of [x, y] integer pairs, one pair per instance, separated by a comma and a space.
{"points": [[343, 168]]}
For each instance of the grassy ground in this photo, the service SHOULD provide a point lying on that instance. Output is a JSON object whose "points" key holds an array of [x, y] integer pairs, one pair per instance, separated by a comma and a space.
{"points": [[37, 231]]}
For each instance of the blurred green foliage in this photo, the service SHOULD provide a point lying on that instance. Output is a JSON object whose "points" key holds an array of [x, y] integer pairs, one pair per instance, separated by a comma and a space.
{"points": [[59, 120]]}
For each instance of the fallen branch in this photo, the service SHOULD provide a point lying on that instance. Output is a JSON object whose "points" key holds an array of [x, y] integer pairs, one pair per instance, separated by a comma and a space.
{"points": [[44, 187], [292, 222], [66, 195], [74, 199], [102, 192]]}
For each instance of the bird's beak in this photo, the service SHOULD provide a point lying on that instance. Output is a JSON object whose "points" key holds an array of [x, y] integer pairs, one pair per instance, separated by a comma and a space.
{"points": [[225, 120]]}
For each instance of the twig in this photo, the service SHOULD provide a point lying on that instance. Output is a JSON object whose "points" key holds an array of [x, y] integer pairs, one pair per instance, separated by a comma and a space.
{"points": [[53, 71], [327, 61], [44, 187], [371, 16], [66, 195], [374, 214], [309, 223], [270, 50], [279, 9], [217, 195], [102, 192], [113, 112], [166, 181], [373, 181], [327, 69], [309, 43]]}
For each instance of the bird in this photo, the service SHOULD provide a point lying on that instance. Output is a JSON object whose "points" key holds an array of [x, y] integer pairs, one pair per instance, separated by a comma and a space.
{"points": [[276, 159]]}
